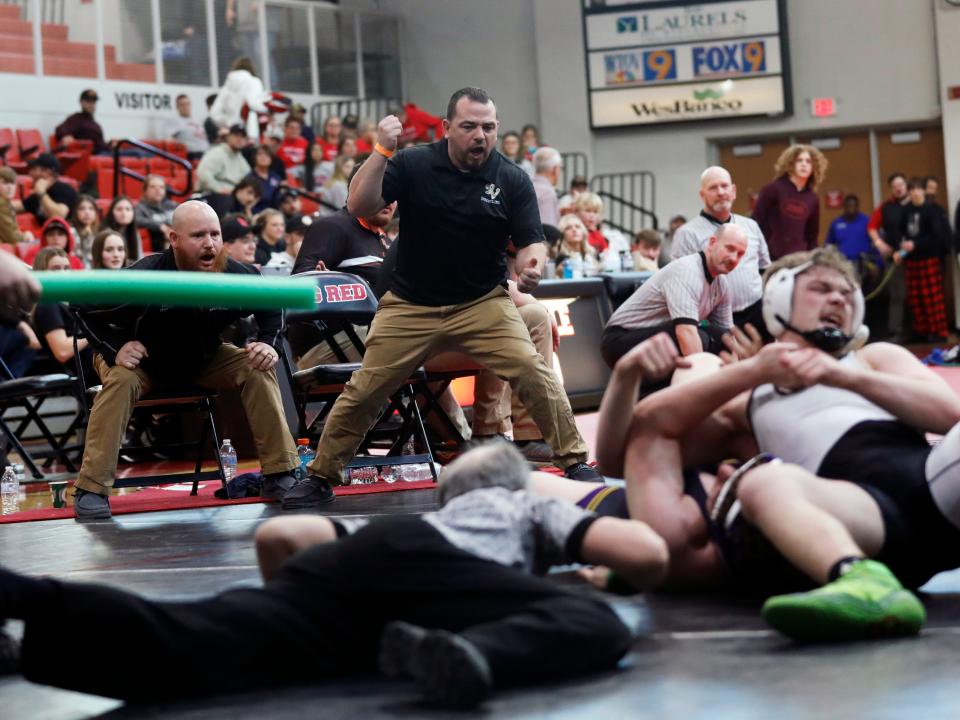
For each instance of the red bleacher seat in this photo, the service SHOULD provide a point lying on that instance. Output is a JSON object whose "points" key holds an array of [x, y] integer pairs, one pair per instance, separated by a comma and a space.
{"points": [[160, 166], [103, 203], [308, 206], [131, 187], [28, 223], [31, 142], [12, 155], [105, 183], [137, 164], [176, 148], [99, 161]]}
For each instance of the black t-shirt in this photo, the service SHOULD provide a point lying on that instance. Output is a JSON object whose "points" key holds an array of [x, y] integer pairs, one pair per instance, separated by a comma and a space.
{"points": [[343, 244], [265, 250], [47, 318], [456, 225], [59, 192]]}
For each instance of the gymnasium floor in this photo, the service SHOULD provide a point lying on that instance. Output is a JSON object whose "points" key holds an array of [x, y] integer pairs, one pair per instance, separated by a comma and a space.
{"points": [[699, 657]]}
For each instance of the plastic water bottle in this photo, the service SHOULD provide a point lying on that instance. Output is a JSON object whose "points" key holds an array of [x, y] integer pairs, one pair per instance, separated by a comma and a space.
{"points": [[576, 267], [550, 270], [417, 472], [389, 474], [626, 261], [228, 456], [9, 491], [567, 269], [306, 455]]}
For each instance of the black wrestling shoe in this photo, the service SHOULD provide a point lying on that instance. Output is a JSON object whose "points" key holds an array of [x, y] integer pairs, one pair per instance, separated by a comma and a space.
{"points": [[584, 472], [308, 493], [91, 506], [449, 671], [9, 654], [275, 486], [535, 451]]}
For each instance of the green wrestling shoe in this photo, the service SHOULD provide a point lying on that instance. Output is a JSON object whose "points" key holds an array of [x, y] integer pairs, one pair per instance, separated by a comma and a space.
{"points": [[866, 602]]}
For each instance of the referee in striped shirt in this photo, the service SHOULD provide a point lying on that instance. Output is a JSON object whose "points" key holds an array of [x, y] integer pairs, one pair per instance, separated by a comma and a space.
{"points": [[745, 283], [689, 299]]}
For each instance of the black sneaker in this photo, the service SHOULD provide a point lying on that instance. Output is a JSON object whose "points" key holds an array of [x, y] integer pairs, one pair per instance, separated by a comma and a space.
{"points": [[310, 492], [276, 485], [448, 670], [582, 471], [91, 506], [9, 654], [535, 451]]}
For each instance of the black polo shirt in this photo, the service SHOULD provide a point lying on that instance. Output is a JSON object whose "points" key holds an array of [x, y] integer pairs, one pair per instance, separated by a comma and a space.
{"points": [[456, 225], [343, 244]]}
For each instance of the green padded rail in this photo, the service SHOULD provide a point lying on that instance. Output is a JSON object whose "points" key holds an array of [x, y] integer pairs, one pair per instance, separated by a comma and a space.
{"points": [[183, 289]]}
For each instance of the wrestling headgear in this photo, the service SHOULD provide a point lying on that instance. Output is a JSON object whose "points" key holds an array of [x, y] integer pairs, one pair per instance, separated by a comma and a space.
{"points": [[778, 308]]}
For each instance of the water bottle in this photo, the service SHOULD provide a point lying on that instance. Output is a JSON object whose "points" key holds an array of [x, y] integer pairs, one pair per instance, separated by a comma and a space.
{"points": [[626, 261], [390, 474], [417, 472], [306, 455], [228, 456], [576, 266], [9, 491], [567, 269], [550, 270]]}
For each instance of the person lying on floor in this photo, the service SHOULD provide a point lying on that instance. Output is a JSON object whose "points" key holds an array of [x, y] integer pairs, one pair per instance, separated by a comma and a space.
{"points": [[858, 479], [450, 598]]}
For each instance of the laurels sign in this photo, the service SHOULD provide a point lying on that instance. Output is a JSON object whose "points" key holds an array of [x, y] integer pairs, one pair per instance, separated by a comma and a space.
{"points": [[675, 61]]}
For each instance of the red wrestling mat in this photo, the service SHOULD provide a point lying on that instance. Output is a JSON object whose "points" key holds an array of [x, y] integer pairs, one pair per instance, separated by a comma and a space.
{"points": [[950, 374], [178, 497]]}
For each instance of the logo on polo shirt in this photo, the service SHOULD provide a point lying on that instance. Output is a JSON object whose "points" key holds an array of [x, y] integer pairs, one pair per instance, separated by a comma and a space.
{"points": [[492, 192]]}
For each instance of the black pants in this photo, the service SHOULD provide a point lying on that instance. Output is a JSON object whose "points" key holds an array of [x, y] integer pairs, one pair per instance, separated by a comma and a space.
{"points": [[321, 617], [618, 341]]}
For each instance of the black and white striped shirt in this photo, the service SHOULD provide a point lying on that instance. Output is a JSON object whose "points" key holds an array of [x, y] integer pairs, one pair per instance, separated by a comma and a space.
{"points": [[682, 292], [746, 285]]}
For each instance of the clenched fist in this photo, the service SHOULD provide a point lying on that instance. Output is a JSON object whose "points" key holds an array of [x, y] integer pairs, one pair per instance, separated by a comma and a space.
{"points": [[388, 131]]}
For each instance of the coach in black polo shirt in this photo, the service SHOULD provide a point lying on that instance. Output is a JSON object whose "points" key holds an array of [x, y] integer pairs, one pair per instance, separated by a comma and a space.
{"points": [[461, 202]]}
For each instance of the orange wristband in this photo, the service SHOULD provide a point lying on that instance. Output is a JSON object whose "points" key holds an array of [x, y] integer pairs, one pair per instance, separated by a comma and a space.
{"points": [[383, 151]]}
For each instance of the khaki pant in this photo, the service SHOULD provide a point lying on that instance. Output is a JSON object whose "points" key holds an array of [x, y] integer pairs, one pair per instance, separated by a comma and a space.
{"points": [[403, 335], [494, 403], [229, 368]]}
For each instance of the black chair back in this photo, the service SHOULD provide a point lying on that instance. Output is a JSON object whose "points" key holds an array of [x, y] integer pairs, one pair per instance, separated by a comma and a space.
{"points": [[341, 298]]}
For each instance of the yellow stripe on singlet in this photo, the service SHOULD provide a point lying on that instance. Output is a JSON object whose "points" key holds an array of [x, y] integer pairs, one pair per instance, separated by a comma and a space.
{"points": [[599, 498]]}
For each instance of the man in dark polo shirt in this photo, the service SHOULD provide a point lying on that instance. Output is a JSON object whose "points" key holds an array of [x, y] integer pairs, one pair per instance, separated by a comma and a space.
{"points": [[461, 205], [51, 197]]}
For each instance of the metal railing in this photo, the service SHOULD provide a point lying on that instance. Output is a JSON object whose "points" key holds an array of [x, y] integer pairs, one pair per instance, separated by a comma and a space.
{"points": [[574, 163], [51, 11], [143, 147], [311, 196], [363, 108], [628, 199]]}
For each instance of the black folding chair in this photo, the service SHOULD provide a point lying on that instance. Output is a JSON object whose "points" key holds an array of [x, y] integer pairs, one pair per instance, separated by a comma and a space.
{"points": [[166, 400], [345, 300], [30, 393]]}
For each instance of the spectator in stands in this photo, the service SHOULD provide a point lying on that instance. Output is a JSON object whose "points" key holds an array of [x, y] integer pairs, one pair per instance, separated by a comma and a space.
{"points": [[55, 233], [296, 228], [9, 230], [299, 112], [330, 139], [289, 204], [268, 180], [109, 250], [293, 149], [122, 218], [316, 170], [85, 220], [419, 126], [209, 126], [608, 243], [925, 233], [367, 138], [19, 342], [238, 239], [676, 222], [223, 165], [53, 323], [788, 209], [155, 211], [269, 226], [186, 130], [645, 251], [82, 126], [573, 244], [347, 147], [577, 185], [530, 139], [849, 232], [335, 189], [244, 198], [678, 298], [511, 149], [884, 231], [931, 185], [242, 91], [546, 167], [50, 197]]}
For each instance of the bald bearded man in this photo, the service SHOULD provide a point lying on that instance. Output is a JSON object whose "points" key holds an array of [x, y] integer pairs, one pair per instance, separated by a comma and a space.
{"points": [[140, 349]]}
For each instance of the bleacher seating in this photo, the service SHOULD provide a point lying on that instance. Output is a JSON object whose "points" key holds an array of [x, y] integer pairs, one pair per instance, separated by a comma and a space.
{"points": [[61, 56]]}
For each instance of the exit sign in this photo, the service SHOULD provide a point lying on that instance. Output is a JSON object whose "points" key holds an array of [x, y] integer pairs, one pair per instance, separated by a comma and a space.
{"points": [[823, 107]]}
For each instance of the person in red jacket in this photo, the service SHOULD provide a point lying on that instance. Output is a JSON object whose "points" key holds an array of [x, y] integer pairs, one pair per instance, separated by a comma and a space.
{"points": [[293, 149], [788, 209], [55, 233]]}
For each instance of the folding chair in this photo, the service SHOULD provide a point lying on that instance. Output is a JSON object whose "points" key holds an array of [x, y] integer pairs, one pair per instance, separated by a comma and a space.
{"points": [[345, 300], [166, 400], [30, 393]]}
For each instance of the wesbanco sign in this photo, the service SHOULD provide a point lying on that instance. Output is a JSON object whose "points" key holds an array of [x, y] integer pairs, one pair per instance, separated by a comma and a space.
{"points": [[678, 61]]}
